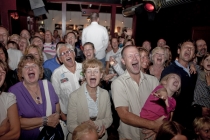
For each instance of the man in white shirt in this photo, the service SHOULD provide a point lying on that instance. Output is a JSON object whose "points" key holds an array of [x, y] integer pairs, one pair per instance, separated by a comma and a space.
{"points": [[14, 55], [65, 79], [98, 35]]}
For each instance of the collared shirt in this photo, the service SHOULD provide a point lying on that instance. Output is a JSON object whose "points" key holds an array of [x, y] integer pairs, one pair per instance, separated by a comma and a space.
{"points": [[127, 93], [185, 69], [65, 82], [92, 105], [50, 48], [98, 35]]}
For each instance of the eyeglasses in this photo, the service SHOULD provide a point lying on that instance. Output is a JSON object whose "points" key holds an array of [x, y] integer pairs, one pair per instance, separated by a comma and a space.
{"points": [[27, 67], [131, 56], [67, 52]]}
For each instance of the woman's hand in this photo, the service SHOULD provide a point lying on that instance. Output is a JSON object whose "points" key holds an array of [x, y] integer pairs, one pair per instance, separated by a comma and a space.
{"points": [[5, 126], [53, 120]]}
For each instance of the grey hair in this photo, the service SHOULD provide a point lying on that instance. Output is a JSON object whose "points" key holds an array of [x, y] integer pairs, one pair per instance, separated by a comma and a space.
{"points": [[157, 49], [67, 45]]}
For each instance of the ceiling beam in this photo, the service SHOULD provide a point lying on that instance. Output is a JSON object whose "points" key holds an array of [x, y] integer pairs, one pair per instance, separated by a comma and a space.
{"points": [[85, 3]]}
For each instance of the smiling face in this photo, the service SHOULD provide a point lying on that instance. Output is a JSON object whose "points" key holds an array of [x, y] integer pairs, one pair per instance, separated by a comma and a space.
{"points": [[25, 33], [186, 52], [93, 76], [34, 52], [71, 39], [89, 51], [30, 73], [3, 35], [201, 47], [131, 59], [67, 56], [38, 42], [206, 64], [144, 61], [159, 57], [204, 133], [23, 44], [173, 84], [48, 37], [147, 45], [114, 44]]}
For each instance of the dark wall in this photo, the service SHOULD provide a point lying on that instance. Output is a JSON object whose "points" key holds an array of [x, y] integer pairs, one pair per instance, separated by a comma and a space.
{"points": [[174, 24]]}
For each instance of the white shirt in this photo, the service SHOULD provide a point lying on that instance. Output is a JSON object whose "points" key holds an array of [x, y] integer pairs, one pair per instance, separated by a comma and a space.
{"points": [[7, 99], [65, 82], [92, 105], [98, 35], [14, 58]]}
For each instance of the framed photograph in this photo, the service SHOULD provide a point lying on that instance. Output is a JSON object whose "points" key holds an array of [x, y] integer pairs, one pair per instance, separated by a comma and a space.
{"points": [[69, 26], [79, 27], [58, 26]]}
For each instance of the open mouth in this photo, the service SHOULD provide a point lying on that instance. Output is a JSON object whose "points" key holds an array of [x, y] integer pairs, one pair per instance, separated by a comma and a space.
{"points": [[69, 59], [176, 84], [135, 65], [92, 80], [31, 75], [186, 54], [159, 59]]}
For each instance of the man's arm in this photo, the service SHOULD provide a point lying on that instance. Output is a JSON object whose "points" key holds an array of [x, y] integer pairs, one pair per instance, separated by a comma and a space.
{"points": [[134, 120]]}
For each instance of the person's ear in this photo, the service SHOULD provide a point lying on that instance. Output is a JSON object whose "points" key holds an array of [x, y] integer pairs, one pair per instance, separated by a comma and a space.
{"points": [[164, 82], [123, 61], [60, 59]]}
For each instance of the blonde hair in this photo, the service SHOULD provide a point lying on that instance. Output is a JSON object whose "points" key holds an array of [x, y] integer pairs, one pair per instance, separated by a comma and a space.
{"points": [[41, 58], [81, 130], [29, 58], [157, 49], [199, 123], [165, 78], [14, 35], [92, 63]]}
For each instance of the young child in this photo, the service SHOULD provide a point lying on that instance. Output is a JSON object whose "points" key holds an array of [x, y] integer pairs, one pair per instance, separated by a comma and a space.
{"points": [[158, 105], [202, 128]]}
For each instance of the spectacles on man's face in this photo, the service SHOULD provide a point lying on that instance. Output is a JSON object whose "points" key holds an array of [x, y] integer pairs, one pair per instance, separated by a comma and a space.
{"points": [[67, 52], [88, 50]]}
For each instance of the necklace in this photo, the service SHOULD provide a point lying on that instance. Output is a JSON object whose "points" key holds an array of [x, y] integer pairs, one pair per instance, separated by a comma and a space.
{"points": [[37, 97]]}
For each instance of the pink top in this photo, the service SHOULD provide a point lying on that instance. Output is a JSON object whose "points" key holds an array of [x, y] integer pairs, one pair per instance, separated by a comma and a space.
{"points": [[155, 107]]}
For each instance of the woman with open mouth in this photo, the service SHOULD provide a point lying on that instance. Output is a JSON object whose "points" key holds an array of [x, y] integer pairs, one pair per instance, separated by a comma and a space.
{"points": [[31, 99], [158, 58], [90, 103]]}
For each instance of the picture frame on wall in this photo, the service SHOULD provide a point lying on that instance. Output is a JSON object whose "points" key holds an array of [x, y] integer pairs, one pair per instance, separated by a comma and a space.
{"points": [[58, 26], [79, 27], [69, 26]]}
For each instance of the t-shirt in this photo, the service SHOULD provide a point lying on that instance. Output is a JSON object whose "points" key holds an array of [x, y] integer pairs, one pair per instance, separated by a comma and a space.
{"points": [[7, 99]]}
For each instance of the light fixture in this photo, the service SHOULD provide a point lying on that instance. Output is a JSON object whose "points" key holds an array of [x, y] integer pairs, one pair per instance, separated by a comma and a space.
{"points": [[14, 15], [70, 16], [52, 15]]}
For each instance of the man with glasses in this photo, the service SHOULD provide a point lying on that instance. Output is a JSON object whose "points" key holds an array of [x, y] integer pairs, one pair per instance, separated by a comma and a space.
{"points": [[65, 79]]}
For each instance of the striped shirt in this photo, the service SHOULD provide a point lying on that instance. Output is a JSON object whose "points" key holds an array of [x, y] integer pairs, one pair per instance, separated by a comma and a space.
{"points": [[50, 48]]}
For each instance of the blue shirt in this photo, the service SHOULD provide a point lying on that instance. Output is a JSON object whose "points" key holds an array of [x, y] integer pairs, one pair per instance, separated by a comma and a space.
{"points": [[51, 64]]}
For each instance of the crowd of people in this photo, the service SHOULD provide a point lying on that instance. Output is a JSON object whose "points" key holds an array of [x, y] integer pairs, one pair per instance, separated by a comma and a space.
{"points": [[98, 85]]}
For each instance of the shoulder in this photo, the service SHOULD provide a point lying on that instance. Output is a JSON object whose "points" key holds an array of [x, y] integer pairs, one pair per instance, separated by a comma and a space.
{"points": [[79, 65], [58, 70], [16, 86], [8, 96]]}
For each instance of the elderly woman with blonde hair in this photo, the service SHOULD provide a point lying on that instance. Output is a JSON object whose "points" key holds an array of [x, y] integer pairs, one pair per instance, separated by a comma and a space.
{"points": [[158, 58], [90, 103]]}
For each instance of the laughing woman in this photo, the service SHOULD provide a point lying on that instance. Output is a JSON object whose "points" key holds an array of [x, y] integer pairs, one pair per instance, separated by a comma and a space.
{"points": [[90, 103], [31, 99], [9, 120], [158, 59]]}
